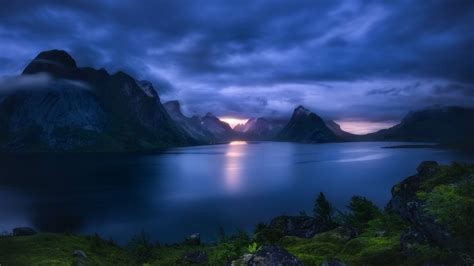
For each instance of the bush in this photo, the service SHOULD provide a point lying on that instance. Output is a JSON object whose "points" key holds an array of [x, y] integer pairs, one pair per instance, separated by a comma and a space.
{"points": [[268, 236], [322, 208], [361, 211], [224, 253], [259, 227], [252, 248], [453, 206], [140, 248]]}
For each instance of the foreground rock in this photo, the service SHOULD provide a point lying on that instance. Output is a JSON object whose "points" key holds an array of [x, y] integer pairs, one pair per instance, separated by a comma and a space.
{"points": [[80, 258], [194, 239], [406, 203], [268, 256], [23, 231], [300, 226]]}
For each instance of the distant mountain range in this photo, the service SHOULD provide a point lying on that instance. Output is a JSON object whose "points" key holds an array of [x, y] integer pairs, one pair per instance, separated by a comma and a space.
{"points": [[57, 106], [261, 128]]}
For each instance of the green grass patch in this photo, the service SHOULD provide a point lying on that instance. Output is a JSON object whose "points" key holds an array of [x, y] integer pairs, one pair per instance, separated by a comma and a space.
{"points": [[57, 249]]}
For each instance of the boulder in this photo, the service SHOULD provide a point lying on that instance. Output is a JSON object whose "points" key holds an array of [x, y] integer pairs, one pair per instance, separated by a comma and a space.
{"points": [[409, 238], [301, 226], [272, 256], [194, 239], [194, 257], [80, 258], [23, 231]]}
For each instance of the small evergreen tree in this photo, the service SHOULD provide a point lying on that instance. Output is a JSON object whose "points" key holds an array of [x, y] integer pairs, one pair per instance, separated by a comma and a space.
{"points": [[322, 208], [362, 211]]}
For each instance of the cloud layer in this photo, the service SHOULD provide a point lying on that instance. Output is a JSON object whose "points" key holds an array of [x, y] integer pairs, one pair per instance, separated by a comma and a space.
{"points": [[348, 60]]}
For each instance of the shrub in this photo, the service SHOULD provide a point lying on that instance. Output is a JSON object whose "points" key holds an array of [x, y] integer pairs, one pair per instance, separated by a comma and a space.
{"points": [[453, 206], [259, 227], [322, 208], [140, 248], [268, 236], [361, 211], [252, 248]]}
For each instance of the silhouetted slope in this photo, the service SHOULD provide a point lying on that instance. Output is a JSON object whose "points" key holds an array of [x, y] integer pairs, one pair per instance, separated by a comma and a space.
{"points": [[448, 125]]}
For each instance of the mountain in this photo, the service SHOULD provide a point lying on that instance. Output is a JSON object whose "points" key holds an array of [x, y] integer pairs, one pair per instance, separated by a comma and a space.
{"points": [[260, 128], [221, 130], [447, 125], [193, 126], [336, 129], [82, 109], [305, 126]]}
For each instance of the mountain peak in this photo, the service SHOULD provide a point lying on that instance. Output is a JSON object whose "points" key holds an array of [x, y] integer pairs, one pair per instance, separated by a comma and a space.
{"points": [[301, 110], [53, 62], [57, 56]]}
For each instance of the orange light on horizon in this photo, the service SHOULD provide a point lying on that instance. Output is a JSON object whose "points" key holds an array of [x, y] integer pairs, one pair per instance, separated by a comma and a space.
{"points": [[238, 142], [232, 121], [364, 127]]}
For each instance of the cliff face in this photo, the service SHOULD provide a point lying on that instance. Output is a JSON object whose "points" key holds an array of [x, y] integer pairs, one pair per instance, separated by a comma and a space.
{"points": [[219, 129], [305, 126], [192, 125], [83, 109]]}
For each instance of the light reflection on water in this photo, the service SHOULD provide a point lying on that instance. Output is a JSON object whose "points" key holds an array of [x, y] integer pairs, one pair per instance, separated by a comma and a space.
{"points": [[233, 164]]}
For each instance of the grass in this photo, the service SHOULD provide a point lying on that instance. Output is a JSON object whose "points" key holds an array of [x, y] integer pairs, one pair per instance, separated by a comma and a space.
{"points": [[370, 248], [57, 249]]}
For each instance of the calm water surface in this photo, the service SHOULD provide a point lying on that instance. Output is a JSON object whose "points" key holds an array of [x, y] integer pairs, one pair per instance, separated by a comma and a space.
{"points": [[197, 189]]}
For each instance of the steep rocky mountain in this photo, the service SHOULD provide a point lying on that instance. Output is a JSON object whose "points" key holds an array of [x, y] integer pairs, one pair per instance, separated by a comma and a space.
{"points": [[83, 109], [192, 125], [261, 128], [221, 130], [305, 126], [449, 125]]}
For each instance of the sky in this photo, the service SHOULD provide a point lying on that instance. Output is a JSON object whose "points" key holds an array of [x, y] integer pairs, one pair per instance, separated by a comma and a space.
{"points": [[364, 64]]}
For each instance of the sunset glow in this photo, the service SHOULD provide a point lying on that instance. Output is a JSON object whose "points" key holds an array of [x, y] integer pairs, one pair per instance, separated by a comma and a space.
{"points": [[232, 121], [238, 142], [364, 127]]}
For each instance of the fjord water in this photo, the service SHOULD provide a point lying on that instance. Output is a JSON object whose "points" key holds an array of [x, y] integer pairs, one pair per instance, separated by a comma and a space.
{"points": [[181, 191]]}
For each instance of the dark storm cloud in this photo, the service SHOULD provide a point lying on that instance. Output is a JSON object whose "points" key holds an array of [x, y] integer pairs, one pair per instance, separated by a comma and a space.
{"points": [[248, 58]]}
